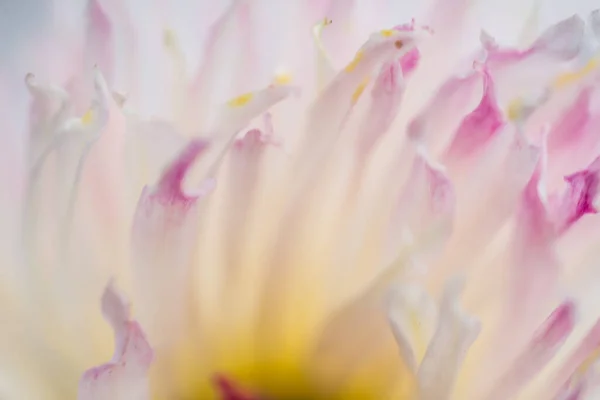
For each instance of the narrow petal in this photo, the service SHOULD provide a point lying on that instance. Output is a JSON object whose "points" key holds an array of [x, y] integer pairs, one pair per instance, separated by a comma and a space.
{"points": [[100, 39], [163, 239], [455, 332], [575, 366], [545, 344], [424, 212], [125, 377], [386, 97]]}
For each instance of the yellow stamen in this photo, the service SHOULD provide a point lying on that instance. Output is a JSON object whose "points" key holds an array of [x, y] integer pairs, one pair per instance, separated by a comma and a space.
{"points": [[88, 117], [354, 63], [283, 78], [572, 77], [514, 109], [241, 100], [387, 32]]}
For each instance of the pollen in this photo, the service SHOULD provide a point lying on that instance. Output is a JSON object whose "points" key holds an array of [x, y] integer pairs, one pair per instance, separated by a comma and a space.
{"points": [[514, 109], [387, 32], [241, 100], [283, 78], [88, 117], [354, 63]]}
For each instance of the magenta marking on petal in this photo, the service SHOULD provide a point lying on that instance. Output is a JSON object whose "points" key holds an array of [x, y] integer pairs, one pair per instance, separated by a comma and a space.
{"points": [[557, 326], [583, 187], [127, 372], [169, 187], [229, 391], [477, 128], [571, 125], [410, 61], [388, 80]]}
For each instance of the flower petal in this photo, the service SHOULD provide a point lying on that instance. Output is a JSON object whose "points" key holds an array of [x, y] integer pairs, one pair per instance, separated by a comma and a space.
{"points": [[386, 97], [424, 212], [478, 127], [163, 238], [546, 342], [455, 332], [518, 72], [125, 377]]}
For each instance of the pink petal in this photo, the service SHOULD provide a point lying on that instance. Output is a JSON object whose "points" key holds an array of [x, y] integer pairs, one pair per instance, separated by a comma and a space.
{"points": [[386, 97], [440, 118], [567, 375], [535, 265], [100, 39], [126, 376], [518, 72], [578, 198], [478, 127], [331, 109], [163, 241], [424, 212], [545, 344]]}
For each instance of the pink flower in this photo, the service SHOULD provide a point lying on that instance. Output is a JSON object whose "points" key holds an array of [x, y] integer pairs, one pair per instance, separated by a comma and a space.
{"points": [[294, 214]]}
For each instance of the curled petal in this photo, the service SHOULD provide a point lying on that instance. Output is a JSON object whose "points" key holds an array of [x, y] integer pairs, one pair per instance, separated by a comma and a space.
{"points": [[578, 198], [477, 128], [125, 377], [522, 71]]}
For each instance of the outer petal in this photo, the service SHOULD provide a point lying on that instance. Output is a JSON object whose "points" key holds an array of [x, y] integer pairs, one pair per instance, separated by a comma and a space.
{"points": [[125, 377]]}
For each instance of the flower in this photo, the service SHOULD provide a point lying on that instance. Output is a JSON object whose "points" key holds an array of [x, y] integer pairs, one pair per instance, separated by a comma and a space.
{"points": [[406, 218]]}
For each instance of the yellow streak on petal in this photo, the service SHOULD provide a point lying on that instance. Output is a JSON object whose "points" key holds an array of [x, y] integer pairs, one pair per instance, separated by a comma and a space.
{"points": [[241, 100], [387, 32], [354, 63], [572, 77], [88, 117], [359, 90]]}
